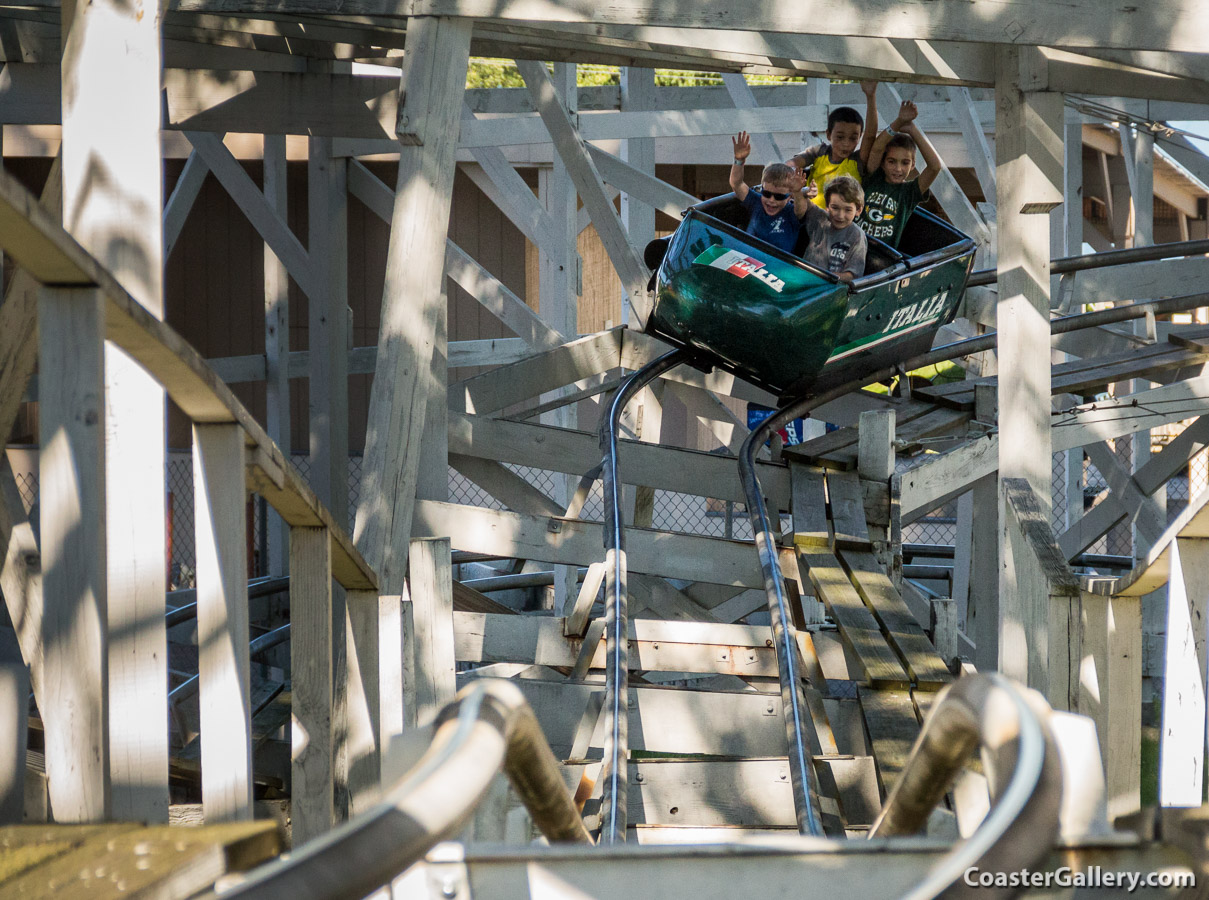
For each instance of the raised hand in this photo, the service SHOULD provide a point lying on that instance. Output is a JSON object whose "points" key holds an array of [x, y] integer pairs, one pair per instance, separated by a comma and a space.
{"points": [[742, 145], [812, 190], [907, 113], [868, 86], [797, 181]]}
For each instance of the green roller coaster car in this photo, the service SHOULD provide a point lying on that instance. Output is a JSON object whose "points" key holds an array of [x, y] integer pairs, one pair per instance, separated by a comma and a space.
{"points": [[772, 319]]}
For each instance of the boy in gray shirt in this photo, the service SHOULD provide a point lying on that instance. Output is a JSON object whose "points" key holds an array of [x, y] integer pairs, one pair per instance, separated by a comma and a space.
{"points": [[837, 244]]}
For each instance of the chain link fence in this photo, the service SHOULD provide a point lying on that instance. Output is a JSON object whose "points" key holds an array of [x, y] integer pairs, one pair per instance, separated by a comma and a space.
{"points": [[672, 511], [939, 526]]}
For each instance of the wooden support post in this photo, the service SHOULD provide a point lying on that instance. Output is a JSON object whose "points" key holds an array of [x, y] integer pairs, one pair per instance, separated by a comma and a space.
{"points": [[1038, 582], [1096, 666], [1028, 127], [276, 340], [432, 610], [875, 451], [328, 312], [14, 709], [327, 197], [363, 638], [222, 622], [638, 92], [559, 288], [75, 699], [1138, 151], [413, 302], [944, 629], [390, 670], [113, 205], [1067, 240], [312, 803], [1182, 739]]}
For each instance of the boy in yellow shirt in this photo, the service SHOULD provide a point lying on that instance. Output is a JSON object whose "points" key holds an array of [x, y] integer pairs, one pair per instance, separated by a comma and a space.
{"points": [[839, 155]]}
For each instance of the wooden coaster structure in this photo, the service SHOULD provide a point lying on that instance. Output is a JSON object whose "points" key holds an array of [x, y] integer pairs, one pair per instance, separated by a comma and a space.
{"points": [[379, 654]]}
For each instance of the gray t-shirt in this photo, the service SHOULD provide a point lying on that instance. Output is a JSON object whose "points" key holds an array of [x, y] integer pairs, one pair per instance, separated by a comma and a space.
{"points": [[831, 250]]}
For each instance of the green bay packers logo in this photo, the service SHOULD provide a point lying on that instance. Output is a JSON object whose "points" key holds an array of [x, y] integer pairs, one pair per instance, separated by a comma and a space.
{"points": [[733, 262]]}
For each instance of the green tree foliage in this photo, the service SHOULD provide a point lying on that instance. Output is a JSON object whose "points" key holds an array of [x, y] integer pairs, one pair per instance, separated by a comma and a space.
{"points": [[497, 73]]}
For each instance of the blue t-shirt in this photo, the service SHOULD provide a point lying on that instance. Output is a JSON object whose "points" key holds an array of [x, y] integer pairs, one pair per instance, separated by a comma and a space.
{"points": [[780, 230]]}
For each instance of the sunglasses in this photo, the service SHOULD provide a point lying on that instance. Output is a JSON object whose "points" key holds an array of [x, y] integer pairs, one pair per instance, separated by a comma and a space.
{"points": [[774, 195]]}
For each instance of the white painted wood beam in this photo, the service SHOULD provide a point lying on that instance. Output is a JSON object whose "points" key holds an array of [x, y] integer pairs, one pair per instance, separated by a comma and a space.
{"points": [[222, 623], [363, 636], [413, 307], [431, 583], [975, 137], [1076, 73], [763, 143], [74, 647], [508, 191], [113, 205], [1141, 510], [268, 224], [1151, 477], [1168, 26], [459, 266], [570, 542], [328, 334], [328, 327], [560, 284], [496, 298], [180, 202], [642, 186], [625, 258], [1028, 128], [1182, 737], [311, 660], [276, 340], [532, 377], [637, 158], [573, 452]]}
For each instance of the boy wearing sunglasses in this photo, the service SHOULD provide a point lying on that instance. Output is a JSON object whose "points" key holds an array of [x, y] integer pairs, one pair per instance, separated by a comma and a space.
{"points": [[778, 206]]}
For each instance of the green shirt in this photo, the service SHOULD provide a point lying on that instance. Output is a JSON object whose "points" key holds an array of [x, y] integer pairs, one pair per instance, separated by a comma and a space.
{"points": [[888, 207]]}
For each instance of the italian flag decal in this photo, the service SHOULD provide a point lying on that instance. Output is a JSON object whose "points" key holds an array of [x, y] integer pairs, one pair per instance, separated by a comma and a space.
{"points": [[733, 262]]}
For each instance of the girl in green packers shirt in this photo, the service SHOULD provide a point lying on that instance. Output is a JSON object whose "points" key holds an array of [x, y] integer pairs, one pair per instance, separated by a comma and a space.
{"points": [[889, 197]]}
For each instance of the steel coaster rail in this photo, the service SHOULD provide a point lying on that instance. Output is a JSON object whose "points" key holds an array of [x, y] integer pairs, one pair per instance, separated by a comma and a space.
{"points": [[804, 779], [614, 775], [1009, 724], [1067, 264], [487, 728]]}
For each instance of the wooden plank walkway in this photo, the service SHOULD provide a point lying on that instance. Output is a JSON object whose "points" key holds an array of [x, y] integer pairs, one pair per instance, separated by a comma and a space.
{"points": [[99, 862]]}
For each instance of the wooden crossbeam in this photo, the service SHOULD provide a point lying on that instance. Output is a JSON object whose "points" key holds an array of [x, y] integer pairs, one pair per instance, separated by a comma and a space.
{"points": [[572, 452], [572, 542], [582, 170], [1083, 375], [264, 218], [40, 245], [500, 388]]}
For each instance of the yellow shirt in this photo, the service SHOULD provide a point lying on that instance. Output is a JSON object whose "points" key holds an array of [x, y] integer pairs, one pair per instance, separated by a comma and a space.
{"points": [[820, 169]]}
